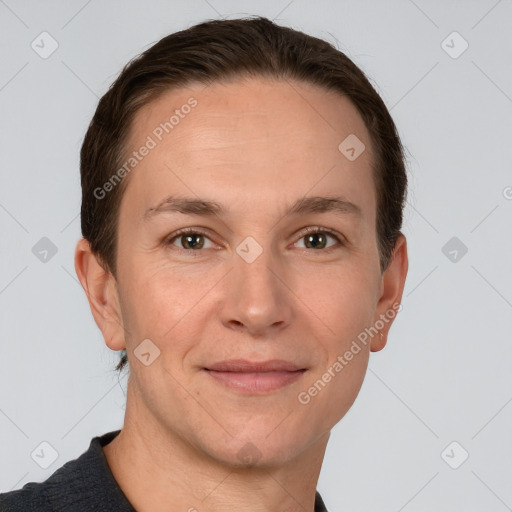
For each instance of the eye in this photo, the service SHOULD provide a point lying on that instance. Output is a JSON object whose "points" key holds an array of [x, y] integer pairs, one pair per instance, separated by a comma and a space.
{"points": [[193, 239], [189, 239], [316, 238]]}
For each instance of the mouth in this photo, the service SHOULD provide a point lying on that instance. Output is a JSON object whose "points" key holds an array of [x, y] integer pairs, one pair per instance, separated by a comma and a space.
{"points": [[254, 377]]}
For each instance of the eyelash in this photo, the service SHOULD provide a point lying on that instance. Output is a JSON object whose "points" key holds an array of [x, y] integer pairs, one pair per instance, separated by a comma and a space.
{"points": [[168, 241]]}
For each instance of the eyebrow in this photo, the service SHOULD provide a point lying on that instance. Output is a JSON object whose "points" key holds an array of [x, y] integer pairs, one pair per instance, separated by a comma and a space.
{"points": [[305, 205]]}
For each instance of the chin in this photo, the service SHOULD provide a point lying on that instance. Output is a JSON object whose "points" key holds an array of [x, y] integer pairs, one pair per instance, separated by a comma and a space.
{"points": [[253, 450]]}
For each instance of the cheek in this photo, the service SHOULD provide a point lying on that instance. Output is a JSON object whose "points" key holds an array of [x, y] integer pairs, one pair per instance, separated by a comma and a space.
{"points": [[345, 304], [154, 291], [166, 307], [344, 300], [331, 392]]}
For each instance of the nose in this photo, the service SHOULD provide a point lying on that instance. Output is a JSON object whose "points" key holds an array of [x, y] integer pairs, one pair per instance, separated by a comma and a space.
{"points": [[258, 299]]}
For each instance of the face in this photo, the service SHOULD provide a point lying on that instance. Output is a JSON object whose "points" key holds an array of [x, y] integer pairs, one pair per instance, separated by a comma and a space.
{"points": [[283, 266]]}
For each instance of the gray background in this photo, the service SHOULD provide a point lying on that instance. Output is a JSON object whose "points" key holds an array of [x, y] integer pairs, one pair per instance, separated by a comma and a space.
{"points": [[445, 373]]}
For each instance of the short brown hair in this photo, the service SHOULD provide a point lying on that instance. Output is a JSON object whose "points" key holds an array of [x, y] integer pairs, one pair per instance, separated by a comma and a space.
{"points": [[219, 50]]}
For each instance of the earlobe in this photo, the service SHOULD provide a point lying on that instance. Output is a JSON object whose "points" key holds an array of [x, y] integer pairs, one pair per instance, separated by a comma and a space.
{"points": [[392, 286], [379, 342], [101, 291]]}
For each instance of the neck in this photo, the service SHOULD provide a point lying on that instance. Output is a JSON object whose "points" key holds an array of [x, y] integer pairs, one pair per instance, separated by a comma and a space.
{"points": [[159, 470]]}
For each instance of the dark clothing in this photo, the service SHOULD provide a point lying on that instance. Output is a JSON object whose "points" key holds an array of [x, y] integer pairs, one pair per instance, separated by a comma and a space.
{"points": [[84, 484]]}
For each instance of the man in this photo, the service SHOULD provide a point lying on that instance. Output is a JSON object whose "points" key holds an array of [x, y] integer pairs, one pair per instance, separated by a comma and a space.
{"points": [[243, 187]]}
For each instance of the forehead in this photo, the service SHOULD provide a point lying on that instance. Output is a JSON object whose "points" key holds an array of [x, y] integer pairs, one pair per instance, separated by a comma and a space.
{"points": [[279, 138]]}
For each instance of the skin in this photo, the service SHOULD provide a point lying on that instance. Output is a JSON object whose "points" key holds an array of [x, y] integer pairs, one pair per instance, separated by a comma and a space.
{"points": [[255, 146]]}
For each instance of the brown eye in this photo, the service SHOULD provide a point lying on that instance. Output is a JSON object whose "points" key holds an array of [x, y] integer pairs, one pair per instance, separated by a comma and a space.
{"points": [[189, 240], [194, 241], [316, 241], [317, 238]]}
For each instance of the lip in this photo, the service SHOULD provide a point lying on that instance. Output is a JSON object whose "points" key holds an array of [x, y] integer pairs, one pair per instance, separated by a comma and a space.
{"points": [[252, 377], [245, 366]]}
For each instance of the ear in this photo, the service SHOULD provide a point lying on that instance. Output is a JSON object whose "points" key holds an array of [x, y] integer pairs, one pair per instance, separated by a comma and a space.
{"points": [[392, 287], [101, 290]]}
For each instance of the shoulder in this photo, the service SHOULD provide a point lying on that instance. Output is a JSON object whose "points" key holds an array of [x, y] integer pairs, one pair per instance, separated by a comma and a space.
{"points": [[74, 486], [31, 497], [53, 494]]}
